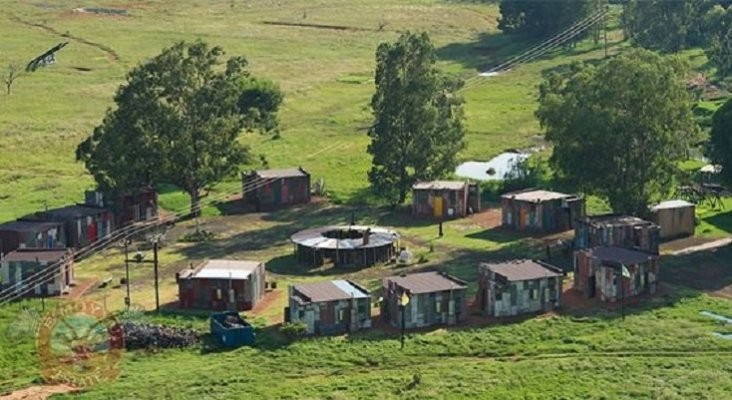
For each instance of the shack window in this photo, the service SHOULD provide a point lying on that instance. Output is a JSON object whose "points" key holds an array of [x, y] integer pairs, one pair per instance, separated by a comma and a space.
{"points": [[341, 314], [532, 294], [513, 295], [301, 314], [438, 306], [363, 307]]}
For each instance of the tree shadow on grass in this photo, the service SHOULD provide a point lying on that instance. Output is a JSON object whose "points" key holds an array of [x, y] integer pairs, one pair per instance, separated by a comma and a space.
{"points": [[492, 49], [723, 221], [499, 235], [489, 49]]}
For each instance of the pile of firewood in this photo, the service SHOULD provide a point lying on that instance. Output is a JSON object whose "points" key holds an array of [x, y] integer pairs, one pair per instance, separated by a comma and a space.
{"points": [[151, 336]]}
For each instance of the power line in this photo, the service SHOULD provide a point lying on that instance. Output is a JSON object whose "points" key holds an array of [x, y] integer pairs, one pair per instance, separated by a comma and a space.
{"points": [[40, 277]]}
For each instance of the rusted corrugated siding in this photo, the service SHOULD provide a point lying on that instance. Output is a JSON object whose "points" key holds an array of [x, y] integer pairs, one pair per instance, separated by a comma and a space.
{"points": [[202, 294], [423, 202]]}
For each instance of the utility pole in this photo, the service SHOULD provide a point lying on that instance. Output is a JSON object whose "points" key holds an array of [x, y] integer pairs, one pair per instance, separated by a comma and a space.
{"points": [[140, 259], [127, 271], [605, 23], [155, 267]]}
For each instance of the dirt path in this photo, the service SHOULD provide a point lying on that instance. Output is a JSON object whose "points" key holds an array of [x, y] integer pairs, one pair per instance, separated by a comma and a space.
{"points": [[703, 247], [111, 54], [38, 392], [79, 290]]}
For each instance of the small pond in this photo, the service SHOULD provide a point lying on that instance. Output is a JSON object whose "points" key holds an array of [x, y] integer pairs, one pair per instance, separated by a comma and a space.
{"points": [[499, 167], [727, 336]]}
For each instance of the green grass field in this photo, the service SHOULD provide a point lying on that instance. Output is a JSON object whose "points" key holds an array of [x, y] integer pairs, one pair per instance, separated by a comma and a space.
{"points": [[663, 350]]}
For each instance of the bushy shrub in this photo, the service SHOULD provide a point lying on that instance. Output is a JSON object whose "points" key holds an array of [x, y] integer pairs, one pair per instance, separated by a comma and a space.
{"points": [[200, 236], [294, 330]]}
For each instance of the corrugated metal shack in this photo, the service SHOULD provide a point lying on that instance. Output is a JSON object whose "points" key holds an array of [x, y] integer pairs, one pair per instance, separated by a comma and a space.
{"points": [[541, 210], [30, 234], [598, 272], [518, 287], [348, 245], [272, 188], [677, 218], [82, 224], [613, 230], [435, 298], [20, 265], [219, 285], [330, 307], [139, 206], [445, 199]]}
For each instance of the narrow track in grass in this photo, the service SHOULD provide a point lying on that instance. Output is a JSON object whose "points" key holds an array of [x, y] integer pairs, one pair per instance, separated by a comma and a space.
{"points": [[111, 54]]}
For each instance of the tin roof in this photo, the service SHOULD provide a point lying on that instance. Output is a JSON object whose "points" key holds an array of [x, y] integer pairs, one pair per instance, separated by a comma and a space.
{"points": [[671, 204], [226, 269], [536, 196], [523, 270], [620, 255], [440, 185], [427, 282], [29, 226], [75, 211], [615, 220], [316, 238], [280, 173], [329, 291], [42, 255]]}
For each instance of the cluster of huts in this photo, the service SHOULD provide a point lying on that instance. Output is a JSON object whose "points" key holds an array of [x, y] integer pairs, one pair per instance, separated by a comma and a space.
{"points": [[614, 256], [46, 239]]}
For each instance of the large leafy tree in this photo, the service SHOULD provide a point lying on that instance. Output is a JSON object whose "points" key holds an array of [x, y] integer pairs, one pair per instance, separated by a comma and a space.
{"points": [[721, 140], [417, 130], [543, 18], [667, 26], [719, 48], [619, 129], [177, 120]]}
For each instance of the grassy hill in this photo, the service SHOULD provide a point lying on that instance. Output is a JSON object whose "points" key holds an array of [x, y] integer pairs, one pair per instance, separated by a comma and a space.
{"points": [[325, 69], [322, 54]]}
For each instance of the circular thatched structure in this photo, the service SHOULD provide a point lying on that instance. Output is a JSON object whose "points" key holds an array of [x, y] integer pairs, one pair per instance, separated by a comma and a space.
{"points": [[353, 245]]}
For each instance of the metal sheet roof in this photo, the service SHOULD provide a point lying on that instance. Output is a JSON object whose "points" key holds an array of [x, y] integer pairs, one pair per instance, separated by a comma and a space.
{"points": [[616, 220], [537, 196], [671, 204], [75, 211], [440, 185], [330, 291], [29, 226], [281, 173], [620, 255], [43, 255], [226, 269], [522, 270], [427, 282], [315, 238]]}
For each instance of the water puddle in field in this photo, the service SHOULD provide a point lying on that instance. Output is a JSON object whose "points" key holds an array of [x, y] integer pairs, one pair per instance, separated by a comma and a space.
{"points": [[716, 316], [496, 169], [726, 336]]}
